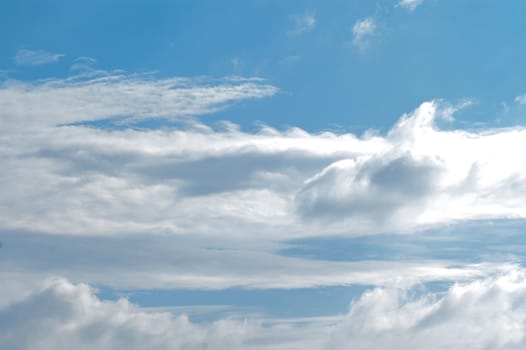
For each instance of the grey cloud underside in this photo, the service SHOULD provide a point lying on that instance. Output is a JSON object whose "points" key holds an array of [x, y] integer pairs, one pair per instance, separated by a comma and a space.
{"points": [[390, 186]]}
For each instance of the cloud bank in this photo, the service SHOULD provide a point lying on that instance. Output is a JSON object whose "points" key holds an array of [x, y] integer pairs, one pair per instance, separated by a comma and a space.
{"points": [[481, 314], [67, 178]]}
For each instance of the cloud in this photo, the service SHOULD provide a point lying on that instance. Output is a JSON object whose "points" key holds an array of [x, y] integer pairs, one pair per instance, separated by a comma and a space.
{"points": [[483, 314], [521, 99], [362, 31], [63, 315], [410, 5], [108, 95], [83, 63], [26, 57], [486, 313], [422, 179], [79, 179], [302, 24], [154, 260]]}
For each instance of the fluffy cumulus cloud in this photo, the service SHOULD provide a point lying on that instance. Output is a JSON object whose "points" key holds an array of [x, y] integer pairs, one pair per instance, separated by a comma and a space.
{"points": [[484, 314], [423, 178], [64, 316]]}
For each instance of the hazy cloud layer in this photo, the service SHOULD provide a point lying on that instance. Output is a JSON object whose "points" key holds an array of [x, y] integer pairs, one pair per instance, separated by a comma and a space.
{"points": [[151, 261]]}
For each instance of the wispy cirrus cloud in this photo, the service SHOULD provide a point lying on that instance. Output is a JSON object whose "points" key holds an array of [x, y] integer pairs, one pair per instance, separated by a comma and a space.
{"points": [[301, 24], [25, 57], [99, 95]]}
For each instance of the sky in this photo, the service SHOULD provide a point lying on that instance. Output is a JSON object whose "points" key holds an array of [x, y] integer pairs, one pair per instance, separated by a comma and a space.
{"points": [[262, 174]]}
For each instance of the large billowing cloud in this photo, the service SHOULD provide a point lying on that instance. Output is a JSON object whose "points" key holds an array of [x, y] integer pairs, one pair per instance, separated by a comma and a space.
{"points": [[484, 314], [426, 177]]}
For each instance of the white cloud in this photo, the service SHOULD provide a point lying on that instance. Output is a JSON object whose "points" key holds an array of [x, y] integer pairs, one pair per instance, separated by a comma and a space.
{"points": [[410, 5], [484, 314], [104, 95], [362, 31], [487, 313], [66, 316], [199, 207], [424, 179], [83, 63], [26, 57], [302, 24], [82, 180]]}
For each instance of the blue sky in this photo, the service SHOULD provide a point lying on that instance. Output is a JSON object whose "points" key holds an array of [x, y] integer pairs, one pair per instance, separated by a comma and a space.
{"points": [[262, 174], [439, 50]]}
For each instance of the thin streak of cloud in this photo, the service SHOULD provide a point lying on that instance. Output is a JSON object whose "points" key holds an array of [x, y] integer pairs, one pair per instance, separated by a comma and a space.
{"points": [[25, 57], [100, 95]]}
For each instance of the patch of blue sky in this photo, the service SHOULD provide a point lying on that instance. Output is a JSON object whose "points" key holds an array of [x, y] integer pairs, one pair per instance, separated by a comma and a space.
{"points": [[435, 52], [470, 242], [274, 303]]}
